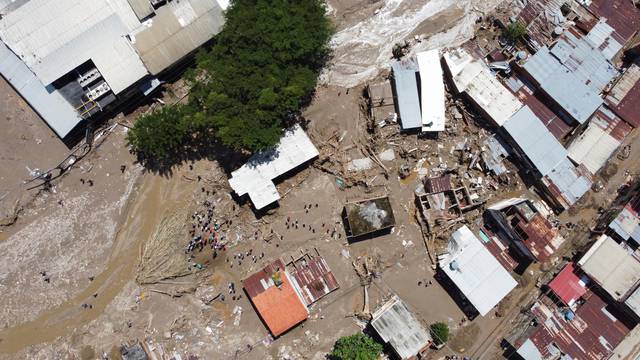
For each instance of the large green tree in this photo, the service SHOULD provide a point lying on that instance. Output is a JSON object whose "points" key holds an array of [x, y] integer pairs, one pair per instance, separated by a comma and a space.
{"points": [[356, 347], [262, 68]]}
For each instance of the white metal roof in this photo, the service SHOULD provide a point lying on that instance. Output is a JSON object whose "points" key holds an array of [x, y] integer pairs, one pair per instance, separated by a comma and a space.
{"points": [[483, 88], [535, 140], [397, 326], [633, 302], [408, 99], [255, 178], [177, 29], [529, 351], [51, 106], [611, 266], [593, 148], [53, 37], [432, 90], [478, 275]]}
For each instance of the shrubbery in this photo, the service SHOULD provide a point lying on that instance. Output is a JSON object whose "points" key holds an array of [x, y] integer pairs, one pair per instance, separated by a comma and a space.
{"points": [[251, 84]]}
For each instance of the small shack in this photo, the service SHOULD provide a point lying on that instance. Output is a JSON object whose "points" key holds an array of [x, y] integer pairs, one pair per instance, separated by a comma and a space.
{"points": [[368, 217], [399, 328]]}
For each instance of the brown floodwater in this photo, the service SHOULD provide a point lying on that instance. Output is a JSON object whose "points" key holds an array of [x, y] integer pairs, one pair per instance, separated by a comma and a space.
{"points": [[143, 212]]}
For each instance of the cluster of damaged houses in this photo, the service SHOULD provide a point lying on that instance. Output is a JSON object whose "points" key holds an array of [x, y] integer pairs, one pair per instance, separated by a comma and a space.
{"points": [[561, 107]]}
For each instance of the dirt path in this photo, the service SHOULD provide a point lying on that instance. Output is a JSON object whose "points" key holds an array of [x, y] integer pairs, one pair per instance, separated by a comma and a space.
{"points": [[63, 319]]}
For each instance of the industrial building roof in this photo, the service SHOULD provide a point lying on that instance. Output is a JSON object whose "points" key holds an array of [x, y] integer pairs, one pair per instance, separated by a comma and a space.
{"points": [[573, 73], [602, 137], [591, 332], [432, 90], [256, 176], [612, 267], [406, 86], [627, 224], [55, 37], [476, 273], [177, 29], [397, 326], [535, 140], [568, 285], [60, 115], [271, 291]]}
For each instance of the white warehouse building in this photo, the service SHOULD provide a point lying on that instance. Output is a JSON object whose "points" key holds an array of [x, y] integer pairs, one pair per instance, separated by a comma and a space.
{"points": [[70, 59]]}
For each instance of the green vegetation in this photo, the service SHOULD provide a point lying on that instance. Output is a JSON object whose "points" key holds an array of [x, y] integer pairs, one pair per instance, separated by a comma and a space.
{"points": [[440, 333], [160, 133], [251, 84], [356, 347], [515, 31]]}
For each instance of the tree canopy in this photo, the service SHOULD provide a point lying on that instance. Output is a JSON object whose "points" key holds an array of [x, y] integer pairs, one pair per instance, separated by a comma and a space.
{"points": [[515, 31], [440, 333], [252, 82], [356, 347]]}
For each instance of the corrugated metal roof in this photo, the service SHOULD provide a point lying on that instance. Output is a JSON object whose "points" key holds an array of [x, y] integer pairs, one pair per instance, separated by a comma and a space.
{"points": [[313, 279], [473, 269], [256, 176], [568, 286], [622, 15], [633, 302], [535, 140], [592, 333], [397, 326], [52, 107], [142, 8], [624, 97], [178, 29], [568, 181], [612, 267], [594, 146], [487, 92], [54, 37], [573, 73], [432, 90], [408, 100], [627, 223]]}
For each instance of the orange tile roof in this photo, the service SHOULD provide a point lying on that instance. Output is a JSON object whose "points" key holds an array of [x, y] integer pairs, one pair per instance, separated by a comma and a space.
{"points": [[279, 307]]}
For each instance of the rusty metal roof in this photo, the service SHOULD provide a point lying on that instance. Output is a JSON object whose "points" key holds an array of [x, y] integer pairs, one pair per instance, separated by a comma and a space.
{"points": [[314, 279], [592, 333], [621, 15], [437, 185], [624, 97]]}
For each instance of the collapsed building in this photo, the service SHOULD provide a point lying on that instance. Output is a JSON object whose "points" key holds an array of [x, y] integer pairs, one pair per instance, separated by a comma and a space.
{"points": [[541, 154], [443, 204], [72, 61], [521, 226], [368, 217]]}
